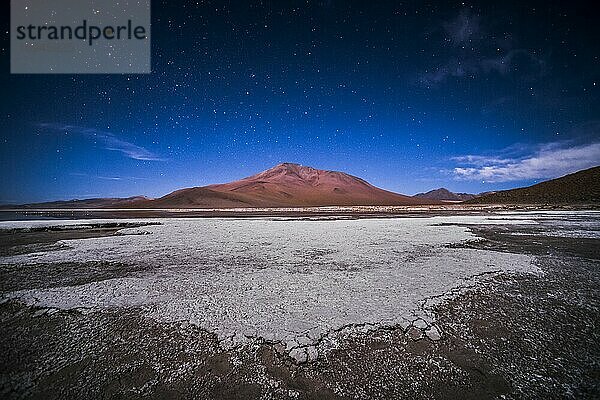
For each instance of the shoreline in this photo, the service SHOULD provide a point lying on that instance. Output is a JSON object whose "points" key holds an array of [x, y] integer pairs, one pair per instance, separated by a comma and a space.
{"points": [[15, 214]]}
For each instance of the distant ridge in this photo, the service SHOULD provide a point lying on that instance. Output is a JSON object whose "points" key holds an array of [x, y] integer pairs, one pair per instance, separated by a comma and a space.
{"points": [[444, 194], [101, 202], [581, 187]]}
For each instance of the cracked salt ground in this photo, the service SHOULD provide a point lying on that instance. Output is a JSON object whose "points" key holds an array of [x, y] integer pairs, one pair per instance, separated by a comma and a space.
{"points": [[294, 283]]}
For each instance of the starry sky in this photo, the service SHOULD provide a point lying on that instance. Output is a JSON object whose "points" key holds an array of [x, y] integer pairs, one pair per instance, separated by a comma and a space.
{"points": [[410, 96]]}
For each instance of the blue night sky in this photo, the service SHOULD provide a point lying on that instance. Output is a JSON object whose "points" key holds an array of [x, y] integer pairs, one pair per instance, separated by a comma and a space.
{"points": [[410, 96]]}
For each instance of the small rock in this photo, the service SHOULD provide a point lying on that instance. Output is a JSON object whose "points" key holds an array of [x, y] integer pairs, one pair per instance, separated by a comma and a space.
{"points": [[414, 333], [314, 333], [279, 348], [303, 340], [299, 355], [290, 344], [312, 353], [433, 333], [420, 323], [404, 324]]}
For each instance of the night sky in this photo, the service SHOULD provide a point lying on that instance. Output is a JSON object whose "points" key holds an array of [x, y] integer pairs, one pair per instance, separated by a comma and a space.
{"points": [[410, 96]]}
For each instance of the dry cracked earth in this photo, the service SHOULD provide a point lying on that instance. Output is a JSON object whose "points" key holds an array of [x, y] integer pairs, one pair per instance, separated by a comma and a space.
{"points": [[499, 333]]}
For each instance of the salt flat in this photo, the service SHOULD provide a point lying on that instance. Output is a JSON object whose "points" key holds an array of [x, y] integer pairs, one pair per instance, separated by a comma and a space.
{"points": [[288, 281]]}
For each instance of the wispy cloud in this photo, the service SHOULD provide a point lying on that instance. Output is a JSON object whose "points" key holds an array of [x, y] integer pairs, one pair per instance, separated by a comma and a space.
{"points": [[528, 63], [121, 178], [472, 56], [471, 66], [546, 161], [464, 28], [107, 140], [452, 68], [109, 178]]}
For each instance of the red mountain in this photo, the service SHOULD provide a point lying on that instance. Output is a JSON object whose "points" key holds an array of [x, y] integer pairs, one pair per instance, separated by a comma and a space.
{"points": [[285, 185]]}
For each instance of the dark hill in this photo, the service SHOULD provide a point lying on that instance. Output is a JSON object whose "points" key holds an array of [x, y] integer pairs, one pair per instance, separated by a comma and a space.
{"points": [[445, 195], [581, 187]]}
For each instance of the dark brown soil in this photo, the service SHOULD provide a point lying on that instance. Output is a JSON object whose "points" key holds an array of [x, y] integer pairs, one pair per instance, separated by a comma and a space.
{"points": [[27, 240]]}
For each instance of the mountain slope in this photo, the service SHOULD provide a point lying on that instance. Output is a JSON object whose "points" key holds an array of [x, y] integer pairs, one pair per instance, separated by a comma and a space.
{"points": [[444, 194], [581, 187], [285, 185], [197, 197]]}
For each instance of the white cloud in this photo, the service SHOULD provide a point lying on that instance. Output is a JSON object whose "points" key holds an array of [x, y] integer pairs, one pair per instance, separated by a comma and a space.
{"points": [[108, 141], [548, 161]]}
